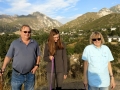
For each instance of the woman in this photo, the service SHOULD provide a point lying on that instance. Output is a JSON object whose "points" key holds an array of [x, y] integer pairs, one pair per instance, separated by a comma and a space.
{"points": [[55, 55], [97, 67]]}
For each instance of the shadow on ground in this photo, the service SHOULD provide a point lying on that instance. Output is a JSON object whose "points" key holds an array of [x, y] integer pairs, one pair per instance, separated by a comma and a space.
{"points": [[75, 85], [68, 86]]}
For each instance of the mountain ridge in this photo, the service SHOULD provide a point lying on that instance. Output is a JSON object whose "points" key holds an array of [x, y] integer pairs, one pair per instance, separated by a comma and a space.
{"points": [[39, 21], [89, 17], [36, 20]]}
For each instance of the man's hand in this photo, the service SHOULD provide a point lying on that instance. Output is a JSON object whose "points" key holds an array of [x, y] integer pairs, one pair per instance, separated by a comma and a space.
{"points": [[1, 72], [34, 69]]}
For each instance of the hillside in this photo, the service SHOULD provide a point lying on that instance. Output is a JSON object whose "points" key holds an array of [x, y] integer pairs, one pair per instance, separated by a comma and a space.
{"points": [[90, 20], [108, 21], [106, 17], [78, 22], [37, 21]]}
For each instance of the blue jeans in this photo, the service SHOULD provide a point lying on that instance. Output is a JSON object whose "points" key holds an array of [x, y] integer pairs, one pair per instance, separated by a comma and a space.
{"points": [[19, 79], [97, 88]]}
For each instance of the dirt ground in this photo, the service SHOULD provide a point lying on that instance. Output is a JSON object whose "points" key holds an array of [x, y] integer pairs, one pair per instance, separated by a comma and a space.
{"points": [[76, 85]]}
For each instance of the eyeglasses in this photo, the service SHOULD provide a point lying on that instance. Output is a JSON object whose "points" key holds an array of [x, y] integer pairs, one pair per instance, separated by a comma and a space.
{"points": [[27, 31], [96, 39]]}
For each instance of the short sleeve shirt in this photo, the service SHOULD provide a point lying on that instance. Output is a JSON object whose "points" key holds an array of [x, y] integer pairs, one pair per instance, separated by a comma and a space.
{"points": [[24, 56], [98, 58]]}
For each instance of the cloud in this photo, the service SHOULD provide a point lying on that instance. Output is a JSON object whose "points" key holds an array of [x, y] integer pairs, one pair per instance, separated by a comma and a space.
{"points": [[66, 19], [54, 6], [95, 8], [47, 7], [18, 7]]}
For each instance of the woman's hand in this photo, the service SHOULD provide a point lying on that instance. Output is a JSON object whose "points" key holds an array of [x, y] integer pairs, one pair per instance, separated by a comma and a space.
{"points": [[112, 83], [65, 76], [85, 82], [85, 77], [51, 57]]}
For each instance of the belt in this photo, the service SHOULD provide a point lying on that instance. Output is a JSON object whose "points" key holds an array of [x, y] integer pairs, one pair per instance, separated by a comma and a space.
{"points": [[19, 72]]}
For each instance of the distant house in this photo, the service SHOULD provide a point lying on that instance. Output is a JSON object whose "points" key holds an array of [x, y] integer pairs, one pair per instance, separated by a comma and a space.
{"points": [[80, 34], [117, 38], [104, 29], [62, 32], [2, 33], [113, 29], [80, 30], [109, 39]]}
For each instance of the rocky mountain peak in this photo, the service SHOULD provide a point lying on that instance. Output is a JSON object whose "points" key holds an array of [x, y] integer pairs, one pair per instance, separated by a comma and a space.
{"points": [[104, 11], [115, 9], [37, 14], [36, 20]]}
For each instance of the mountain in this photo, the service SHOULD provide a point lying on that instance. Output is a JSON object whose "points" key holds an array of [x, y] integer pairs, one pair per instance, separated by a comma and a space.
{"points": [[85, 20], [115, 9], [104, 11], [36, 20], [107, 21], [82, 20]]}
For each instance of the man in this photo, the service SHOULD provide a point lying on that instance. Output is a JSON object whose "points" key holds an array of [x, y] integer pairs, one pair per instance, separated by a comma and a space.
{"points": [[26, 57]]}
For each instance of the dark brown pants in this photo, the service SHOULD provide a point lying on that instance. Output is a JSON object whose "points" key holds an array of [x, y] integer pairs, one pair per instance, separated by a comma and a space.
{"points": [[56, 80]]}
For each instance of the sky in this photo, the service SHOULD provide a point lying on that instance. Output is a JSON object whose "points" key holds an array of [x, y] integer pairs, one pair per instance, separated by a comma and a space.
{"points": [[61, 10]]}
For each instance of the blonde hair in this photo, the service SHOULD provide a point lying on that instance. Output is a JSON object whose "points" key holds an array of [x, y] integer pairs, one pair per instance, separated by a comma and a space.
{"points": [[96, 35]]}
